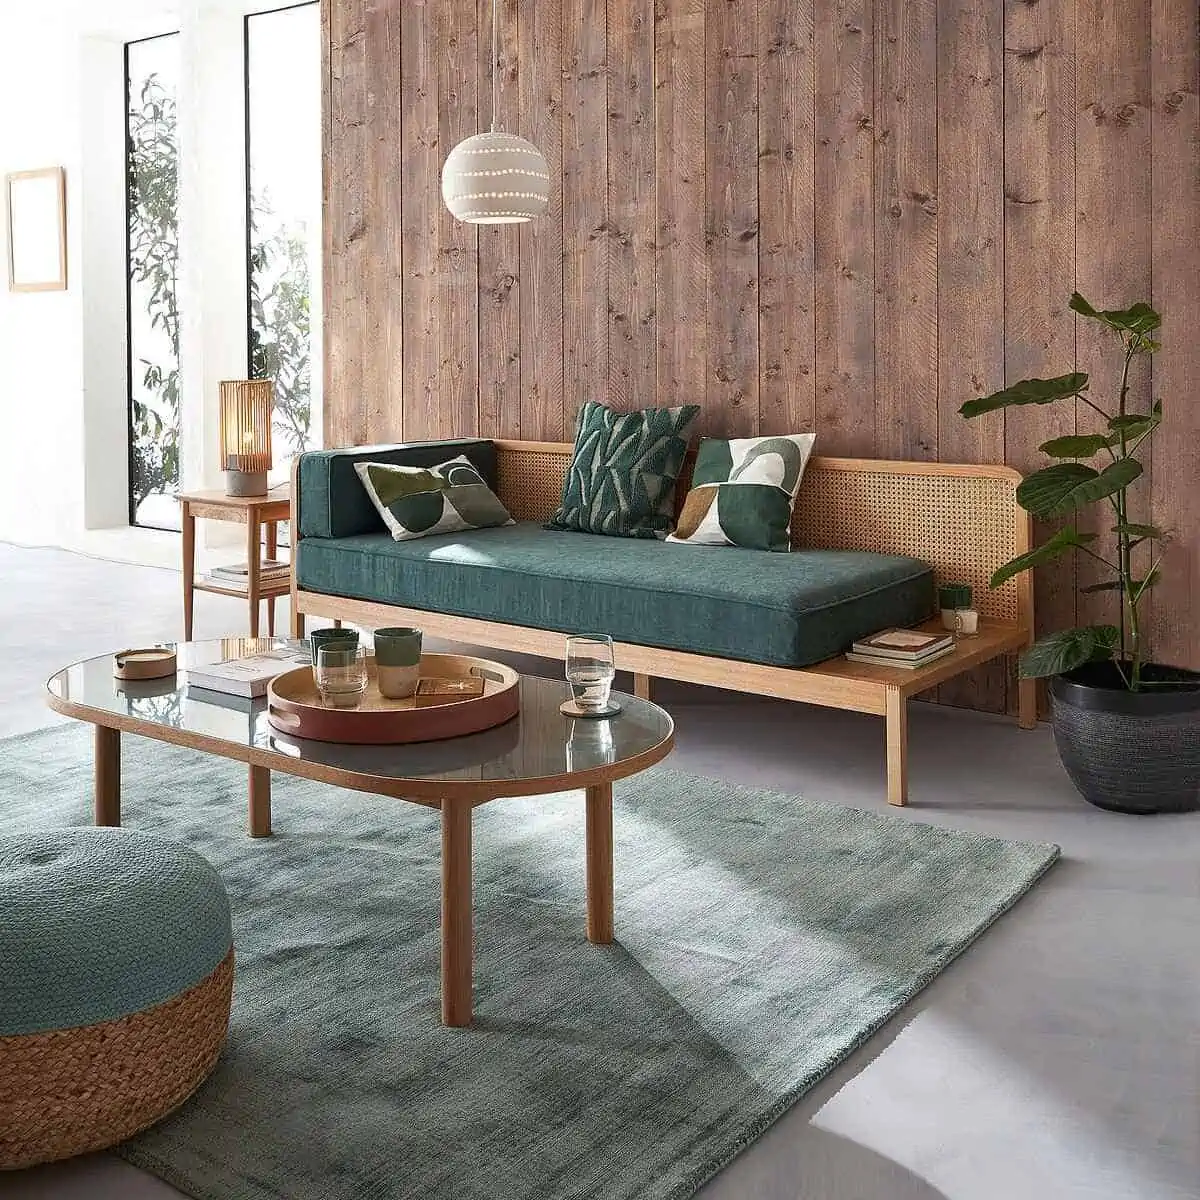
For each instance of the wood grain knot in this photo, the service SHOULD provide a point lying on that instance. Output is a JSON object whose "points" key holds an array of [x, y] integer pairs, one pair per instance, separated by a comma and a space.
{"points": [[1174, 102]]}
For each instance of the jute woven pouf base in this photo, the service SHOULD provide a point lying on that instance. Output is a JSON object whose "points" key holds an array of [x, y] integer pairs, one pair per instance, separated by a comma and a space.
{"points": [[71, 1091]]}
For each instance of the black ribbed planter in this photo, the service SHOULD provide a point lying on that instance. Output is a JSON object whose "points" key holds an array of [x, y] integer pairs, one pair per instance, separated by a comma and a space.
{"points": [[1131, 752]]}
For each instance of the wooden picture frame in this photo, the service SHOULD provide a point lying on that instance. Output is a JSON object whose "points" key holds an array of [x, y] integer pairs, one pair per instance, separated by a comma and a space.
{"points": [[35, 225]]}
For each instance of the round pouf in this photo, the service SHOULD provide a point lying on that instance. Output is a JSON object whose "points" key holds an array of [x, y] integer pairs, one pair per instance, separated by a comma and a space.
{"points": [[116, 971]]}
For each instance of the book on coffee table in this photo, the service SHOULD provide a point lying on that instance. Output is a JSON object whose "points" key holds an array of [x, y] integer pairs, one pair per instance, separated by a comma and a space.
{"points": [[248, 676], [903, 644], [905, 664]]}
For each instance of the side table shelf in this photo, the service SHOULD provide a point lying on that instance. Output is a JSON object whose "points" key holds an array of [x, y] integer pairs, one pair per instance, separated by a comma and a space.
{"points": [[260, 514]]}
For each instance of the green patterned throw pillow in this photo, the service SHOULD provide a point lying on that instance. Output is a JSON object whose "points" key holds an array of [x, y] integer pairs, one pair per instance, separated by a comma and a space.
{"points": [[417, 501], [621, 481], [743, 492]]}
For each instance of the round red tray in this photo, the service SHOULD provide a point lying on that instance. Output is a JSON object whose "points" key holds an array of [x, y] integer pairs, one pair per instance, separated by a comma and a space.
{"points": [[294, 706]]}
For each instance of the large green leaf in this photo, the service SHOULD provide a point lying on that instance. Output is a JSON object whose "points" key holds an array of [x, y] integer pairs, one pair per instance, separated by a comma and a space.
{"points": [[1082, 446], [1071, 648], [1028, 391], [1069, 485], [1133, 425], [1068, 538], [1138, 318]]}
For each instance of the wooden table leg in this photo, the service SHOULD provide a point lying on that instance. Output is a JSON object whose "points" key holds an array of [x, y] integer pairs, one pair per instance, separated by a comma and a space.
{"points": [[458, 939], [189, 568], [253, 557], [260, 802], [897, 747], [272, 550], [108, 776], [599, 864]]}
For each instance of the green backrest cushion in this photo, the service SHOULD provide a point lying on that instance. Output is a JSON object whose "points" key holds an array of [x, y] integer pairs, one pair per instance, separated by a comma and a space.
{"points": [[332, 500], [621, 478], [96, 924]]}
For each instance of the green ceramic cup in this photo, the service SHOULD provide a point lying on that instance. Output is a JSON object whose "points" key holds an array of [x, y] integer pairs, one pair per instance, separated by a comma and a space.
{"points": [[400, 647], [397, 661], [328, 636]]}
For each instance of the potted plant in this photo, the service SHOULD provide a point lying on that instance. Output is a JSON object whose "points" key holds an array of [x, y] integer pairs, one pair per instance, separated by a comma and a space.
{"points": [[1127, 729]]}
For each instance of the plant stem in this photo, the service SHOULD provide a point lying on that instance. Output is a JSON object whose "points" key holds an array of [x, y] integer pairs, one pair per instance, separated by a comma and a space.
{"points": [[1131, 644]]}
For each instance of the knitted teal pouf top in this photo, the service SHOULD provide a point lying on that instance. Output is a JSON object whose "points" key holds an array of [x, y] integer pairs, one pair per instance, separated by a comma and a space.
{"points": [[96, 924]]}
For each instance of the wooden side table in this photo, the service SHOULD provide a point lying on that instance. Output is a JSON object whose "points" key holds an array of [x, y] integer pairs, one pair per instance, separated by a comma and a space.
{"points": [[256, 513]]}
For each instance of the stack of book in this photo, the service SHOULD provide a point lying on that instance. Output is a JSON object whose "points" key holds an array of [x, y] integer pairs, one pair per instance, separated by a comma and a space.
{"points": [[905, 648], [237, 575]]}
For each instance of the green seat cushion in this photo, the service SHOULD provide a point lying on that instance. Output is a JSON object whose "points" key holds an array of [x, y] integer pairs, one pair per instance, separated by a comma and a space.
{"points": [[784, 609], [96, 924], [333, 501]]}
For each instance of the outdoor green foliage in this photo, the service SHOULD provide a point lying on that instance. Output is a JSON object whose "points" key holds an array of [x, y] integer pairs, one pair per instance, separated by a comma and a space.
{"points": [[280, 346], [1071, 483], [153, 184]]}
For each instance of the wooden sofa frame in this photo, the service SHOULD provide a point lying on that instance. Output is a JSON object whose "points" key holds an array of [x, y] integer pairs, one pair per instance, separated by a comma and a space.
{"points": [[963, 519]]}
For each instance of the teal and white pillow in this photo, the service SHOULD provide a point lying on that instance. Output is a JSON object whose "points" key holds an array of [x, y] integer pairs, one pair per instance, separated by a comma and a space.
{"points": [[743, 492], [415, 502], [621, 481]]}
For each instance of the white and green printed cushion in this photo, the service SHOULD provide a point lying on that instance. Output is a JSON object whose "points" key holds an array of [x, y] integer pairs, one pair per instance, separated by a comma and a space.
{"points": [[743, 491], [415, 502]]}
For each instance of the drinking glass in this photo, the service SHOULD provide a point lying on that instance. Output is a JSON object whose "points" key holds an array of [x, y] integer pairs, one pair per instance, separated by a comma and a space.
{"points": [[590, 671], [341, 674]]}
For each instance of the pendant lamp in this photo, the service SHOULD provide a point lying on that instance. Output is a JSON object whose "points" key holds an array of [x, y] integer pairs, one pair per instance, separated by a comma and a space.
{"points": [[496, 178]]}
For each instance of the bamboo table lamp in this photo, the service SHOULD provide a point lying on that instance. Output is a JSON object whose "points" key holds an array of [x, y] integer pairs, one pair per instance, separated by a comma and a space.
{"points": [[246, 435]]}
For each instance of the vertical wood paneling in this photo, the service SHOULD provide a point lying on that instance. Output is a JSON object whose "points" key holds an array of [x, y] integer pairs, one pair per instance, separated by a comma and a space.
{"points": [[457, 323], [970, 261], [499, 249], [346, 343], [632, 336], [539, 26], [1039, 245], [731, 226], [1112, 235], [849, 216], [681, 260], [585, 204], [786, 182], [420, 178], [906, 229], [382, 265], [845, 230], [1175, 81]]}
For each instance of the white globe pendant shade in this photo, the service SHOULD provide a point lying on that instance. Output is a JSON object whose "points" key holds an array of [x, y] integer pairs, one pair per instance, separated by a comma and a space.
{"points": [[496, 179]]}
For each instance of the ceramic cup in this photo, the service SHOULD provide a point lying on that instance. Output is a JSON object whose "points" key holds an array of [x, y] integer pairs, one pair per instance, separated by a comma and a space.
{"points": [[329, 636], [397, 661]]}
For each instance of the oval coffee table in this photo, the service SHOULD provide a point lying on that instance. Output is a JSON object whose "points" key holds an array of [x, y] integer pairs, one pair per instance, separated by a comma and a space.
{"points": [[539, 751]]}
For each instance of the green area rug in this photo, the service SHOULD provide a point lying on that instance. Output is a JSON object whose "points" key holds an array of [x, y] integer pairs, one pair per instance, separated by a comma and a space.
{"points": [[761, 939]]}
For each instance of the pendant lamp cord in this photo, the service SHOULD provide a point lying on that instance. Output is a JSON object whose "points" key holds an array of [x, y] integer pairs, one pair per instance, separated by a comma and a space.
{"points": [[495, 62]]}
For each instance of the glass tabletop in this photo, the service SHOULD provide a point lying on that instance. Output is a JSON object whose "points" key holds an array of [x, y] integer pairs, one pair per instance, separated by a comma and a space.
{"points": [[539, 743]]}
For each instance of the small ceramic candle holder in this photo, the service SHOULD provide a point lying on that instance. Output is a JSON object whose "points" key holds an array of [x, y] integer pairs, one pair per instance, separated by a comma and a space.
{"points": [[954, 601]]}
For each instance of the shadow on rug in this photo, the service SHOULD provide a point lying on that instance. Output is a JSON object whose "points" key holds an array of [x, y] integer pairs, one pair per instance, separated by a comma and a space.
{"points": [[761, 938]]}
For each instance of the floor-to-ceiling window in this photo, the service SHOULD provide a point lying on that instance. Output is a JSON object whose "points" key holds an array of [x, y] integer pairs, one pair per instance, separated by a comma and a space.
{"points": [[283, 129], [152, 174]]}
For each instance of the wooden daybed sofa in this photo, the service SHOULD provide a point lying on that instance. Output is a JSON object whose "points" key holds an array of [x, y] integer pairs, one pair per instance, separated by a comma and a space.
{"points": [[962, 520]]}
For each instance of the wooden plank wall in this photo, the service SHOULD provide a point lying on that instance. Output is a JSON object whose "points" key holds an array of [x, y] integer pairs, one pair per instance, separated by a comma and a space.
{"points": [[847, 217]]}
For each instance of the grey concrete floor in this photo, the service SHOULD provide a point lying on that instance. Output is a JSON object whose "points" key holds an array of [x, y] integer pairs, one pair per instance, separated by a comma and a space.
{"points": [[1059, 1059]]}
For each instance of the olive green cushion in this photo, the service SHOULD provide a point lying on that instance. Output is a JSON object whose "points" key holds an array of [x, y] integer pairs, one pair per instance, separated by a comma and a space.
{"points": [[415, 502], [786, 609], [96, 924], [333, 502]]}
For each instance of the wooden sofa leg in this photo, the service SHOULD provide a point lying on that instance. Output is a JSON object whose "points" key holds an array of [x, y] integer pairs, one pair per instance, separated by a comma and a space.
{"points": [[297, 620], [641, 686], [897, 747], [1027, 703]]}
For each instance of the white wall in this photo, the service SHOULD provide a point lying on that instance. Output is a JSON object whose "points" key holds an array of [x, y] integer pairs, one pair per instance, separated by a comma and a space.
{"points": [[63, 387], [41, 372]]}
